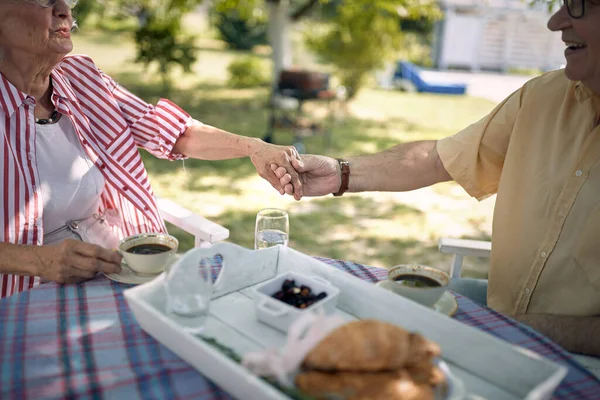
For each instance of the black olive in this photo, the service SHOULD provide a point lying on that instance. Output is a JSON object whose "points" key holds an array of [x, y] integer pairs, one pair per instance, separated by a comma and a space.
{"points": [[321, 295], [288, 284], [279, 295], [305, 291]]}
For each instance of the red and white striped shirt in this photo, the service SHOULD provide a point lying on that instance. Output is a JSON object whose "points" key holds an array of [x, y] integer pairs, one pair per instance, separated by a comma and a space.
{"points": [[111, 124]]}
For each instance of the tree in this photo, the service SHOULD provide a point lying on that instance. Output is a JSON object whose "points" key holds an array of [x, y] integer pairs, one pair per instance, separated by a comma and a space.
{"points": [[159, 37], [361, 35]]}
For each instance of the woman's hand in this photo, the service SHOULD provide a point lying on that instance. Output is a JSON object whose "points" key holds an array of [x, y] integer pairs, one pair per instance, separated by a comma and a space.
{"points": [[73, 261], [282, 156]]}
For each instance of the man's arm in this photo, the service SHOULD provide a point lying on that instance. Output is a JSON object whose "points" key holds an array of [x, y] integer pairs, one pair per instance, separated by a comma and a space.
{"points": [[404, 167], [575, 334]]}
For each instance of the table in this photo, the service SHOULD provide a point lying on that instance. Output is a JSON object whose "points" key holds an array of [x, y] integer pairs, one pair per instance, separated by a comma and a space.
{"points": [[81, 341]]}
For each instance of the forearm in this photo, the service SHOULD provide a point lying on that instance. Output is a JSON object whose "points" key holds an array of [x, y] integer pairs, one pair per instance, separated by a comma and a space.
{"points": [[209, 143], [18, 259], [403, 167], [575, 334]]}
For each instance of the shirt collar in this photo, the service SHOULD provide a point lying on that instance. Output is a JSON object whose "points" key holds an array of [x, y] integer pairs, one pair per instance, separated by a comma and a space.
{"points": [[583, 93], [12, 98], [61, 87]]}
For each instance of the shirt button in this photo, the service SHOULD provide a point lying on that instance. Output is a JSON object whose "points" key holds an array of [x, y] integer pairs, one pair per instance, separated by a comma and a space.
{"points": [[30, 156], [527, 290], [578, 172], [544, 254]]}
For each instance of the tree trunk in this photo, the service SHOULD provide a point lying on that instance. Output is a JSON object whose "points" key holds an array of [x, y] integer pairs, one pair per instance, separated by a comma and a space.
{"points": [[279, 36]]}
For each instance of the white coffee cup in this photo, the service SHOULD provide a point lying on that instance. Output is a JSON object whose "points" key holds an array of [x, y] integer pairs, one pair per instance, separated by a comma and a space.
{"points": [[135, 250], [427, 296]]}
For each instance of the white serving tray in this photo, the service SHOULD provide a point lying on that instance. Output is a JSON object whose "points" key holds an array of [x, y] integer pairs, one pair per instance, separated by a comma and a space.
{"points": [[489, 367]]}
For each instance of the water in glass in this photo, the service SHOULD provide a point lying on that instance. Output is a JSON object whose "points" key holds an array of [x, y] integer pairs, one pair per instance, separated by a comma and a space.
{"points": [[189, 291], [272, 228]]}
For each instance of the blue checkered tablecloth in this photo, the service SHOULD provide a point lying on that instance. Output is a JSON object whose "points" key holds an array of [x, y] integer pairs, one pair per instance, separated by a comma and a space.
{"points": [[82, 341]]}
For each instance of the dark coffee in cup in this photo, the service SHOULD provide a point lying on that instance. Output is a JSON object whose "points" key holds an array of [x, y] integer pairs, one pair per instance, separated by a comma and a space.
{"points": [[148, 248], [418, 281]]}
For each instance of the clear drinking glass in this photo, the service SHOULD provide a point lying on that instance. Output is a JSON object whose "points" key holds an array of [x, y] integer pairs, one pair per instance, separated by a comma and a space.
{"points": [[189, 289], [272, 228]]}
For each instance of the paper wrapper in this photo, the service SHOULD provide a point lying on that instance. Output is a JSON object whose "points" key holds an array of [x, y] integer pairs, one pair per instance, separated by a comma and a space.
{"points": [[303, 335]]}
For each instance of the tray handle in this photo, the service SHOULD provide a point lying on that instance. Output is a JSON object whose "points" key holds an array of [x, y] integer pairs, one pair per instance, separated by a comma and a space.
{"points": [[271, 309]]}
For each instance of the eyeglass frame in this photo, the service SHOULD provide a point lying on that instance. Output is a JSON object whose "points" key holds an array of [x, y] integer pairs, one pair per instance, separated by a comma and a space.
{"points": [[70, 3], [566, 4]]}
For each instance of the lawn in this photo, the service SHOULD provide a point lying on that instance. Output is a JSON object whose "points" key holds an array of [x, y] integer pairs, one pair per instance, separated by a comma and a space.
{"points": [[379, 229]]}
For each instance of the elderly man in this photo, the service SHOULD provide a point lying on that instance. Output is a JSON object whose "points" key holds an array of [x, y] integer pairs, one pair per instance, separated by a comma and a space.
{"points": [[539, 151]]}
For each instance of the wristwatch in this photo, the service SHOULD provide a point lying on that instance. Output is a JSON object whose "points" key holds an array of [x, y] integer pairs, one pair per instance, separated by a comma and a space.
{"points": [[345, 169]]}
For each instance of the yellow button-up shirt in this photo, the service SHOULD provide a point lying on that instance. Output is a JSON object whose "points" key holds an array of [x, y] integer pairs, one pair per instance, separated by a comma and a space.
{"points": [[539, 150]]}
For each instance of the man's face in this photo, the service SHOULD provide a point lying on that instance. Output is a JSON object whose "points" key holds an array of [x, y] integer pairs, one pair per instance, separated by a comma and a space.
{"points": [[582, 37]]}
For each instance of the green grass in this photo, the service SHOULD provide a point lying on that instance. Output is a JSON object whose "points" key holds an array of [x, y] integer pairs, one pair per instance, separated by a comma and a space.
{"points": [[380, 229]]}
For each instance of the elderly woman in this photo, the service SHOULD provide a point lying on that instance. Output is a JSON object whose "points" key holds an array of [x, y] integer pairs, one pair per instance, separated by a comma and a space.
{"points": [[71, 171]]}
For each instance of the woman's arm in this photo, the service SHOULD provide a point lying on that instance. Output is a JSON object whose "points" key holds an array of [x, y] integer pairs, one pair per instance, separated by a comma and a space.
{"points": [[209, 143], [69, 262]]}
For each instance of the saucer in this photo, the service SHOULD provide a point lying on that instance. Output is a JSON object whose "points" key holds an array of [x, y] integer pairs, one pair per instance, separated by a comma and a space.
{"points": [[129, 276], [447, 304]]}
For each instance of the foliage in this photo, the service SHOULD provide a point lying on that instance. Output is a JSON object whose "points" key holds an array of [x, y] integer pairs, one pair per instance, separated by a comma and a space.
{"points": [[242, 27], [161, 41], [247, 72], [363, 34], [159, 38]]}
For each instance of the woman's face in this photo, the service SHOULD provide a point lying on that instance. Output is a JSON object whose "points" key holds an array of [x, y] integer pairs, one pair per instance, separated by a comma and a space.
{"points": [[27, 27]]}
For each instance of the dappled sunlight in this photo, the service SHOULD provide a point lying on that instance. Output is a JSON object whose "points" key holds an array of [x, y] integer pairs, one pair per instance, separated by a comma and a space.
{"points": [[379, 229]]}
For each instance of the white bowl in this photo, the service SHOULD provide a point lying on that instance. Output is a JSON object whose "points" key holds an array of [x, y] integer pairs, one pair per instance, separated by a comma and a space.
{"points": [[280, 315]]}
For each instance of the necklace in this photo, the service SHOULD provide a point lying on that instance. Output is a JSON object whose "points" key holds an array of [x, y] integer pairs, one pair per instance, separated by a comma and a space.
{"points": [[53, 118]]}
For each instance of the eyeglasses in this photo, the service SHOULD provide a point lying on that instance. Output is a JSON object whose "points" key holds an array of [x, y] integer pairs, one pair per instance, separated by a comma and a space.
{"points": [[576, 8], [49, 3]]}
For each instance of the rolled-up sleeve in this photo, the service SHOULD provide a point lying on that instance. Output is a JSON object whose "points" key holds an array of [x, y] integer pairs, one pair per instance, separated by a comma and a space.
{"points": [[475, 156], [154, 128]]}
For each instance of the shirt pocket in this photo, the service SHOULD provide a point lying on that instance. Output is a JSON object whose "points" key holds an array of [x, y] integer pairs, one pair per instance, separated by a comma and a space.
{"points": [[587, 249]]}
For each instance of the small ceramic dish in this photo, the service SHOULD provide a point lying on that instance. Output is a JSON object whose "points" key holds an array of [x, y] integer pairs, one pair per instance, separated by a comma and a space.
{"points": [[279, 314]]}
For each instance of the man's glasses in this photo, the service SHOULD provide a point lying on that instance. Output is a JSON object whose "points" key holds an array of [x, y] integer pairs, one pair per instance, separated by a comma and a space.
{"points": [[576, 8], [49, 3]]}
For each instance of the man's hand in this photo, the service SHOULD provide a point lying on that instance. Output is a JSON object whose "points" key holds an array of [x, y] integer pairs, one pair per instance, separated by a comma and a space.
{"points": [[73, 261], [319, 176], [283, 156]]}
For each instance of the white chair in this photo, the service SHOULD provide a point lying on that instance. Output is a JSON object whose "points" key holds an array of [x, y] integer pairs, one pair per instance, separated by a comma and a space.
{"points": [[205, 232], [461, 248]]}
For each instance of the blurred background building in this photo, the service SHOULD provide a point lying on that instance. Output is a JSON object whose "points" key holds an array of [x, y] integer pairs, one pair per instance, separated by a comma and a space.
{"points": [[496, 35]]}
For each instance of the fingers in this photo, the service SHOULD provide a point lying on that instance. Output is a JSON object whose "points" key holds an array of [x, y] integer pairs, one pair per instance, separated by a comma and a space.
{"points": [[97, 259], [289, 189]]}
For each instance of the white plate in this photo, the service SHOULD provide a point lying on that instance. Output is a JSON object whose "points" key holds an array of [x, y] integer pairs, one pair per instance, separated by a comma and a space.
{"points": [[129, 276], [447, 304]]}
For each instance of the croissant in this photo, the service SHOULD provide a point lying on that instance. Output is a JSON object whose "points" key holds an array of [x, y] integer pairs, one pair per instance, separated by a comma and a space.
{"points": [[365, 345], [397, 385]]}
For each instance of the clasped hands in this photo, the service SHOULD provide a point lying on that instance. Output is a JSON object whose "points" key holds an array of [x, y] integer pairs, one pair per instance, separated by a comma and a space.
{"points": [[312, 175]]}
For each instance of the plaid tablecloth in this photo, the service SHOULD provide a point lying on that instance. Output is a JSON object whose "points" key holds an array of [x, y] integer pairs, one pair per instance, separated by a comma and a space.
{"points": [[81, 341]]}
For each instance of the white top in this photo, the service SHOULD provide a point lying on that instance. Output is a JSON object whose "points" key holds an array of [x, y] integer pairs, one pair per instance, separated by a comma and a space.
{"points": [[70, 183]]}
